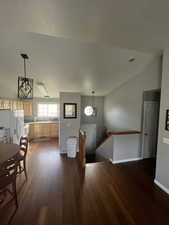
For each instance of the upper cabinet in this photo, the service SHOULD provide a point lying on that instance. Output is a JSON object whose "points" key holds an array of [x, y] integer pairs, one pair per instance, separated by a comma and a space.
{"points": [[16, 105], [27, 107]]}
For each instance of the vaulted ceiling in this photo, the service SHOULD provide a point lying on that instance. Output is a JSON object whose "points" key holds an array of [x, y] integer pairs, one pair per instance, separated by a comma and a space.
{"points": [[129, 24], [66, 65], [77, 45]]}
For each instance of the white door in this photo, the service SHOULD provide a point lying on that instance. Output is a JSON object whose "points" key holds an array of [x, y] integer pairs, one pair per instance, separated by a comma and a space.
{"points": [[150, 129]]}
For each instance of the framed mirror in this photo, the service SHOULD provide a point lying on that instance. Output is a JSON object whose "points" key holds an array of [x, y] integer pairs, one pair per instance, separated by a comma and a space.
{"points": [[70, 111]]}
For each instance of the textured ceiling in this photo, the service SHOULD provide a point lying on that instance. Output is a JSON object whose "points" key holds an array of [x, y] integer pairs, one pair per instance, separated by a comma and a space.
{"points": [[136, 24], [66, 65], [80, 45]]}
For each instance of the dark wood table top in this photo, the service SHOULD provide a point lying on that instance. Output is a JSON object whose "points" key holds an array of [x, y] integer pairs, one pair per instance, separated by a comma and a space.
{"points": [[7, 151]]}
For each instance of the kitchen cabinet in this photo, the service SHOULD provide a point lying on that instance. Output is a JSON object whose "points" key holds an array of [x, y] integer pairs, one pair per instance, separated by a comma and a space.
{"points": [[17, 105], [27, 107], [43, 129]]}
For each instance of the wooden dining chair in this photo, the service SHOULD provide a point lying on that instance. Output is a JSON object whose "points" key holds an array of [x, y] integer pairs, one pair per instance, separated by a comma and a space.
{"points": [[8, 173], [21, 156]]}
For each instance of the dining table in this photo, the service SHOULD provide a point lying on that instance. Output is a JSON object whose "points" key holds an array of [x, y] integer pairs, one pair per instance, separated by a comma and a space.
{"points": [[7, 151]]}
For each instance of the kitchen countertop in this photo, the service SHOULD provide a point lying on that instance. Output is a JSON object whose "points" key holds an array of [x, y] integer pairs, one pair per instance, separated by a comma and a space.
{"points": [[36, 122]]}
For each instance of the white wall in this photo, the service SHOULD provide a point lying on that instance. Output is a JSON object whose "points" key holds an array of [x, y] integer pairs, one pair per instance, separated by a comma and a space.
{"points": [[120, 148], [105, 151], [68, 127], [123, 107], [162, 165], [126, 147], [98, 119]]}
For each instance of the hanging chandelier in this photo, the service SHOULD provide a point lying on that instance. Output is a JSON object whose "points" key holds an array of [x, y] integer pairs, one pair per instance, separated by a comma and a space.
{"points": [[25, 84]]}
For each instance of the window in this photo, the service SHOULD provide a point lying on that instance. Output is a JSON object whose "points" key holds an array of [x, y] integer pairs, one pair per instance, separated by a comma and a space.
{"points": [[47, 110]]}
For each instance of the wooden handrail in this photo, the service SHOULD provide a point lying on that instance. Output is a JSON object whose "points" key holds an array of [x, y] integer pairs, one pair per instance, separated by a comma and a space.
{"points": [[124, 132], [82, 149], [109, 134]]}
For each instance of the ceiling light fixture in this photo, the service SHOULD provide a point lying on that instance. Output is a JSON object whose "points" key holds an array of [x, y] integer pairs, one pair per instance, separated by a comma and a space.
{"points": [[25, 84], [132, 59], [90, 110]]}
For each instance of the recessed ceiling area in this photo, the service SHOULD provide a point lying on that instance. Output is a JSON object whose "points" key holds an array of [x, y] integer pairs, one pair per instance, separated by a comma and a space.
{"points": [[65, 65], [134, 24]]}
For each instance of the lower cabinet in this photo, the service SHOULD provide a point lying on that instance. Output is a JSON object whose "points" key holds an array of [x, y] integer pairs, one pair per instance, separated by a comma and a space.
{"points": [[37, 130]]}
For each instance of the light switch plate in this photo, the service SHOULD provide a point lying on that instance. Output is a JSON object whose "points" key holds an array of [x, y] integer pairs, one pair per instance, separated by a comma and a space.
{"points": [[165, 140]]}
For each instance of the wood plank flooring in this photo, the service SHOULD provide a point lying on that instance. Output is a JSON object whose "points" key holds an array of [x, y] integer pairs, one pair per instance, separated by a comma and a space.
{"points": [[56, 193]]}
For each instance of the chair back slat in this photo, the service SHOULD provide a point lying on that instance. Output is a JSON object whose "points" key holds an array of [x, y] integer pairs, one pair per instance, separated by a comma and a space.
{"points": [[8, 173], [24, 144], [8, 170]]}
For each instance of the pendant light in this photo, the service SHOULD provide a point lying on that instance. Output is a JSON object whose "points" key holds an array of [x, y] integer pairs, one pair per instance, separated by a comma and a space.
{"points": [[25, 84], [90, 110], [93, 104]]}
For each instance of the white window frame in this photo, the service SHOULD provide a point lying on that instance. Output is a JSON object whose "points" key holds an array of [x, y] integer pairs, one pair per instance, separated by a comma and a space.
{"points": [[40, 117]]}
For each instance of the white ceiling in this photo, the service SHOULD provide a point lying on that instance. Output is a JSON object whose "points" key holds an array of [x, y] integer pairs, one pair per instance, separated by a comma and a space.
{"points": [[80, 45], [65, 65], [137, 24]]}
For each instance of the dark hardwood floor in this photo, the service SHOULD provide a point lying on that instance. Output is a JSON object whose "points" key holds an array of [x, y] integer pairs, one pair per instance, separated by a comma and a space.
{"points": [[56, 193]]}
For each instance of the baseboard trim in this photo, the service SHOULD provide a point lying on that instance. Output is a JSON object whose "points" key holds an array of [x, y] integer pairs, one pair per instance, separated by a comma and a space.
{"points": [[161, 186], [126, 160]]}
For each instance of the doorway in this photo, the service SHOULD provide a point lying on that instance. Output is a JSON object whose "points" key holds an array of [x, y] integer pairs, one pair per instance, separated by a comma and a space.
{"points": [[151, 107]]}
